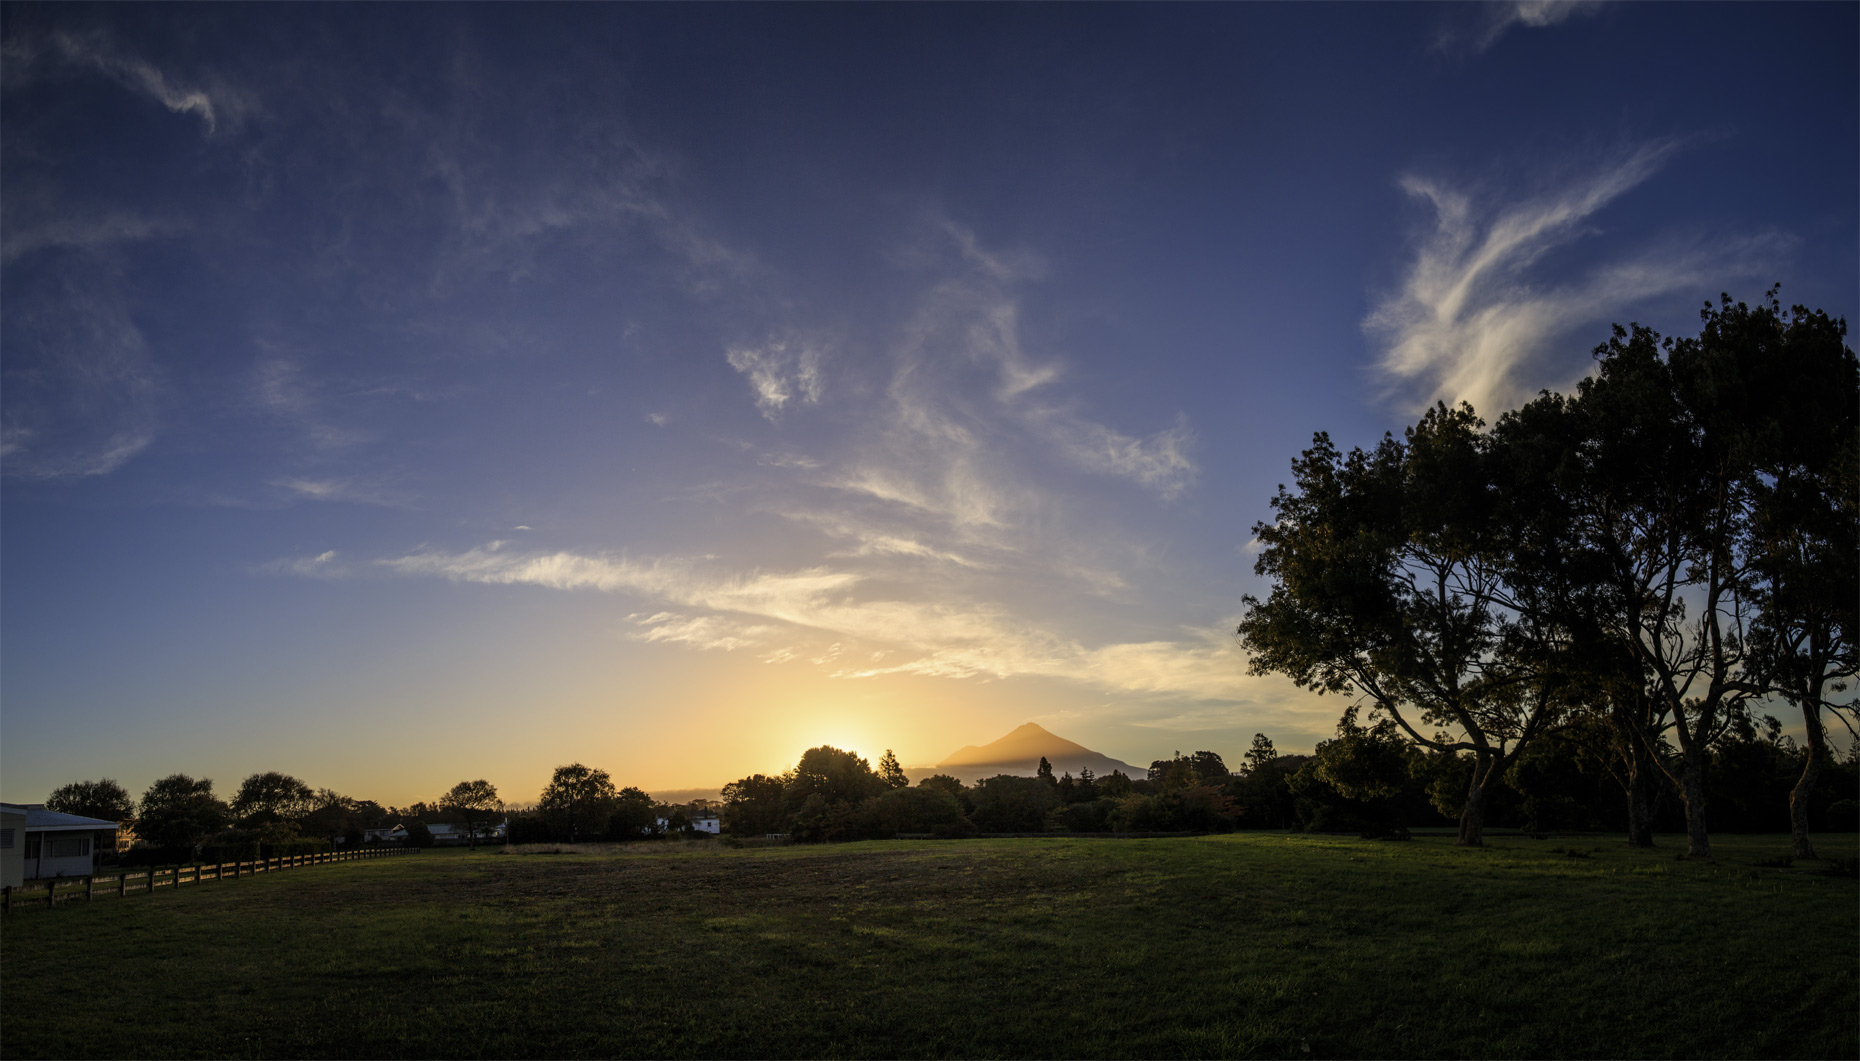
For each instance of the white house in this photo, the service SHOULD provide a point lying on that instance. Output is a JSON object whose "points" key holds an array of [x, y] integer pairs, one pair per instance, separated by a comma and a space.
{"points": [[12, 845], [39, 843], [703, 823], [447, 835]]}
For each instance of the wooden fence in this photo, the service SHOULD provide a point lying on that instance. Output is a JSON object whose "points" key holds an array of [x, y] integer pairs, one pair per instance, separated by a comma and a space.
{"points": [[129, 881]]}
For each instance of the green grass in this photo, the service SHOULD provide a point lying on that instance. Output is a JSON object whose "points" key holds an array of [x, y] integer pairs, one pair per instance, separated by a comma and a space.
{"points": [[1249, 945]]}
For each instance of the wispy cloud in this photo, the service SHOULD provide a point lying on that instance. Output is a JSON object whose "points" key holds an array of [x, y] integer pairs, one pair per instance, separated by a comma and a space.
{"points": [[347, 490], [328, 564], [1490, 21], [282, 387], [779, 371], [218, 105], [81, 394], [89, 232], [1472, 315], [1160, 462], [816, 613]]}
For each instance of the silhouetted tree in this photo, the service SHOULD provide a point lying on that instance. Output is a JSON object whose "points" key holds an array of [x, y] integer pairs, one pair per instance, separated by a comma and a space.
{"points": [[272, 797], [755, 805], [890, 772], [475, 803], [1388, 579], [103, 799], [1008, 803], [578, 801], [636, 814], [179, 812], [835, 776]]}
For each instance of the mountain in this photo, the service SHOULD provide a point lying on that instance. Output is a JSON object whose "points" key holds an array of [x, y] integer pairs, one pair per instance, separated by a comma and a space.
{"points": [[1019, 753]]}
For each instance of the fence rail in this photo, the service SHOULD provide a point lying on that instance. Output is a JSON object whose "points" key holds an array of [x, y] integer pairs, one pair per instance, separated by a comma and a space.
{"points": [[128, 881]]}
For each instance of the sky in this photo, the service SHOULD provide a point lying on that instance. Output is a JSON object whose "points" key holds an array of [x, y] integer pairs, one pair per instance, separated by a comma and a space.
{"points": [[394, 395]]}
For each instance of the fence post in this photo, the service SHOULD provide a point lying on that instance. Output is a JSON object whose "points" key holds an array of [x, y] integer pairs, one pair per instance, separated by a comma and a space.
{"points": [[51, 893], [6, 899], [90, 887], [122, 882]]}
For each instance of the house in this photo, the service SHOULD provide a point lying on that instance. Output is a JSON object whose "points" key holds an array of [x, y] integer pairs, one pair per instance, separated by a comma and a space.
{"points": [[39, 843], [12, 845], [448, 835], [702, 823]]}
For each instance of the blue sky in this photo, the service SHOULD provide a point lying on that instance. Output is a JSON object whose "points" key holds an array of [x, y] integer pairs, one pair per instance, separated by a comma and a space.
{"points": [[394, 395]]}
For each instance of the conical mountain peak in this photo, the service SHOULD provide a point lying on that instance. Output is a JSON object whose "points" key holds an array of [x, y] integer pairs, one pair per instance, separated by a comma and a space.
{"points": [[1020, 752]]}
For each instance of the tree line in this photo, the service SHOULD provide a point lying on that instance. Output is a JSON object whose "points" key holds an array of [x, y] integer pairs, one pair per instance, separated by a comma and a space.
{"points": [[180, 818], [1625, 578]]}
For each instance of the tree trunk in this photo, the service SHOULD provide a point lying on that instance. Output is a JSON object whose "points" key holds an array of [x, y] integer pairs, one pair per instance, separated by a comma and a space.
{"points": [[1472, 815], [1811, 772], [1692, 789], [1643, 793]]}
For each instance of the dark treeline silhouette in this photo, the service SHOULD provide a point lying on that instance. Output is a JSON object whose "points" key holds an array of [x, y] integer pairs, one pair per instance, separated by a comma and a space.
{"points": [[180, 818], [581, 803], [1582, 614]]}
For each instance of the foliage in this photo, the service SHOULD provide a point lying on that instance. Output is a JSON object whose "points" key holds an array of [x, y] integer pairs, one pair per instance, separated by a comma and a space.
{"points": [[271, 797], [755, 805], [636, 815], [105, 800], [1389, 572], [924, 809], [834, 776], [1183, 770], [890, 772], [578, 802], [475, 802], [1007, 803], [180, 812]]}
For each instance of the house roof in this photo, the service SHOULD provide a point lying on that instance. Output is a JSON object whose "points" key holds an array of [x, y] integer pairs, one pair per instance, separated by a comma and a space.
{"points": [[38, 818]]}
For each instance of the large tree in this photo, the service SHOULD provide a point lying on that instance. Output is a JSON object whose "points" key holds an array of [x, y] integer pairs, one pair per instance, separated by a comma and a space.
{"points": [[1804, 528], [755, 805], [179, 811], [272, 797], [835, 776], [103, 799], [578, 801], [1702, 464], [474, 802], [1555, 518], [1388, 571]]}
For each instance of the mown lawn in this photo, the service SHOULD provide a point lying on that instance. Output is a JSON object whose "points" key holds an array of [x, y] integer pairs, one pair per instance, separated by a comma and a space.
{"points": [[1248, 945]]}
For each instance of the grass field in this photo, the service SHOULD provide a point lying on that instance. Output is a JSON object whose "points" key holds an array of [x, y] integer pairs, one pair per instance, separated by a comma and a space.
{"points": [[1246, 945]]}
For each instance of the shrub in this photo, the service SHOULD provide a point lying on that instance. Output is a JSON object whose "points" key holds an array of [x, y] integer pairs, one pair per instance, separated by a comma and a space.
{"points": [[1844, 816]]}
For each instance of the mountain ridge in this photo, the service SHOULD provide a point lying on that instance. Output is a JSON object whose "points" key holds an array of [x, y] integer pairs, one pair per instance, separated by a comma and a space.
{"points": [[1019, 752]]}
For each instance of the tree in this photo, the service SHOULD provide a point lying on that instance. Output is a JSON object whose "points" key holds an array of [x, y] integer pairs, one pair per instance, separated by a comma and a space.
{"points": [[1802, 539], [1260, 755], [1388, 579], [475, 802], [181, 812], [835, 776], [755, 805], [1682, 444], [919, 810], [105, 800], [890, 772], [1045, 771], [272, 797], [635, 814], [332, 814], [1008, 803], [578, 801]]}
